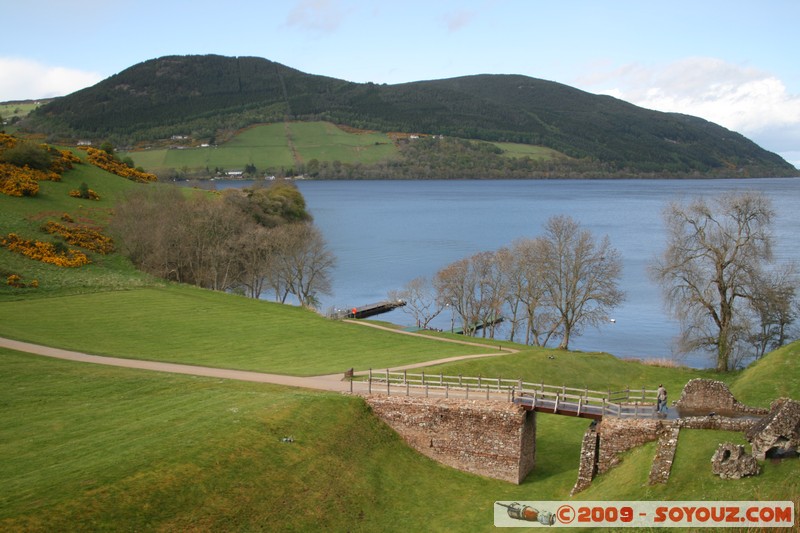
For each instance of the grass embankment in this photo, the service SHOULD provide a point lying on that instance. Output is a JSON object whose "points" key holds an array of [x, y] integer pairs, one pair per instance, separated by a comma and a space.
{"points": [[93, 448], [101, 448], [188, 325]]}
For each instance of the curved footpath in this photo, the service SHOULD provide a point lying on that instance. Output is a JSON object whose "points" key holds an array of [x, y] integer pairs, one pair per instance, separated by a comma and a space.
{"points": [[332, 382]]}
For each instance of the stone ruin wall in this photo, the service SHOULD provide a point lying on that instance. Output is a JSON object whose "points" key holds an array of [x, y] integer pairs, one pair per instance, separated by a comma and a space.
{"points": [[492, 439], [712, 396], [618, 435]]}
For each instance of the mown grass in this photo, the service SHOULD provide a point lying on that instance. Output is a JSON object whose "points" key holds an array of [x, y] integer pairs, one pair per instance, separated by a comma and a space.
{"points": [[189, 325], [102, 448], [95, 448], [595, 371], [278, 145]]}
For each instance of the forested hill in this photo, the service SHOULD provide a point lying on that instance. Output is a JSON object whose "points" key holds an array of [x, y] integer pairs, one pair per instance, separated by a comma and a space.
{"points": [[211, 96]]}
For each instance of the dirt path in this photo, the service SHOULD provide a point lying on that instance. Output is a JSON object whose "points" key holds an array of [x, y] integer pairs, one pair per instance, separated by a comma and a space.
{"points": [[332, 382]]}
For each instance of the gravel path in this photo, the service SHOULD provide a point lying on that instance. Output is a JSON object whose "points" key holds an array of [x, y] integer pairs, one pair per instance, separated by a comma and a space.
{"points": [[332, 382]]}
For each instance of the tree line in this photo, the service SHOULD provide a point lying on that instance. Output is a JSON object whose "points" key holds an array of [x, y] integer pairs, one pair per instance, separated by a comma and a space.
{"points": [[251, 240], [717, 273], [547, 288]]}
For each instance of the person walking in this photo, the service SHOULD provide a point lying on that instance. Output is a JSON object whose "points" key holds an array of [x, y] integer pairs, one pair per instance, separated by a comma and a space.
{"points": [[661, 399]]}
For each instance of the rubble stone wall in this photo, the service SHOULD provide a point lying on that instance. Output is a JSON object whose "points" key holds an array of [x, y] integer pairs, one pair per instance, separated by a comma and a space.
{"points": [[488, 438], [710, 395], [618, 435]]}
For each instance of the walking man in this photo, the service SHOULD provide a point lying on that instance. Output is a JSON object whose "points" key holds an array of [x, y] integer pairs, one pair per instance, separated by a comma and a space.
{"points": [[661, 399]]}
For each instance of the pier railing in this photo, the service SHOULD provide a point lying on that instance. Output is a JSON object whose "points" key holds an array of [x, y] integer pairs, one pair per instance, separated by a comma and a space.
{"points": [[561, 399]]}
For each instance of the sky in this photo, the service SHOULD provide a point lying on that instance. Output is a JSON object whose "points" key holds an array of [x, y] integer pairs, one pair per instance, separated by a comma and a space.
{"points": [[732, 62]]}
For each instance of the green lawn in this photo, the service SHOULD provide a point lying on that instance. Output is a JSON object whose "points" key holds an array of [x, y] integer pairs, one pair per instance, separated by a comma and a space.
{"points": [[278, 145], [96, 448], [190, 325]]}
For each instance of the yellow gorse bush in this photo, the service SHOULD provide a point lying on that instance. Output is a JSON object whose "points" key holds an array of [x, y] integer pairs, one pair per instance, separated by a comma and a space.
{"points": [[16, 181], [15, 280], [44, 251], [106, 161], [82, 236], [22, 181]]}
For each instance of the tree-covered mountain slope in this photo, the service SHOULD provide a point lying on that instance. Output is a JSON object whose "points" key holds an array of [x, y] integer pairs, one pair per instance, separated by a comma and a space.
{"points": [[210, 97]]}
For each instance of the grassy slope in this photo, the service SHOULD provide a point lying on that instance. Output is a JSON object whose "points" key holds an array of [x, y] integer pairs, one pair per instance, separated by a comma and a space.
{"points": [[282, 145], [94, 447], [189, 325], [26, 215], [91, 448], [272, 145]]}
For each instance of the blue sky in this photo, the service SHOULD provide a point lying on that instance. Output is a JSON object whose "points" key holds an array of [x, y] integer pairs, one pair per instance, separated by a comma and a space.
{"points": [[732, 62]]}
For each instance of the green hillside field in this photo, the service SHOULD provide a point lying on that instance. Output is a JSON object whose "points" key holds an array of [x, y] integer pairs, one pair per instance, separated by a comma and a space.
{"points": [[95, 448], [273, 146]]}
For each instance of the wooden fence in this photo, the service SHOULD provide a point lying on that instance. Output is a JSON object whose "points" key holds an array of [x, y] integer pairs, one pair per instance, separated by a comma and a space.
{"points": [[537, 396]]}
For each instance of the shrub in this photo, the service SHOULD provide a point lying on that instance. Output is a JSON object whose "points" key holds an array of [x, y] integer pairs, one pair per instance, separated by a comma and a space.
{"points": [[84, 192], [16, 181], [45, 252], [15, 280], [82, 236], [109, 163]]}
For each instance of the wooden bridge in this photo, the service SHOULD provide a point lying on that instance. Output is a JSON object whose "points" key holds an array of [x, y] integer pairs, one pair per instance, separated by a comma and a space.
{"points": [[540, 397]]}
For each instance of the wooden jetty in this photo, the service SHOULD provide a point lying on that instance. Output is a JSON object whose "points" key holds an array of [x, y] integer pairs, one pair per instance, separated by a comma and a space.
{"points": [[372, 309]]}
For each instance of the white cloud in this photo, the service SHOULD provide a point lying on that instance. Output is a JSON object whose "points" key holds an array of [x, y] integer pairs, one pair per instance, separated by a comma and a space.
{"points": [[22, 79], [747, 100], [318, 15], [458, 20]]}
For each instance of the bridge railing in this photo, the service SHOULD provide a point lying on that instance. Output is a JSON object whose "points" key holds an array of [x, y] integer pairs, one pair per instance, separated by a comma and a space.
{"points": [[627, 402]]}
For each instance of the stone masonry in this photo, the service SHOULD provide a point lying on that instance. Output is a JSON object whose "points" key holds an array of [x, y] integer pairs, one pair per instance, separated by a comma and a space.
{"points": [[779, 432], [488, 438], [705, 396]]}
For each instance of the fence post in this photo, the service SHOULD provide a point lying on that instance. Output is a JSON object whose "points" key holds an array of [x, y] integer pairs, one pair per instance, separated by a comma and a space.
{"points": [[407, 391], [467, 391], [441, 377], [426, 391], [423, 377], [487, 392], [479, 381], [388, 388], [498, 384], [642, 393], [447, 390], [405, 376], [459, 380]]}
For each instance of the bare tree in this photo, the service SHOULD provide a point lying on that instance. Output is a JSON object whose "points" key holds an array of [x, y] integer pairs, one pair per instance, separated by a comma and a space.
{"points": [[473, 288], [528, 291], [420, 299], [580, 276], [773, 305], [304, 262], [715, 253]]}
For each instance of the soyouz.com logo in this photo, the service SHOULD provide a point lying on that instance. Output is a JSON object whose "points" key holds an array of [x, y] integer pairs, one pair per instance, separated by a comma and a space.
{"points": [[645, 514]]}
